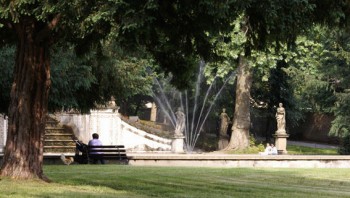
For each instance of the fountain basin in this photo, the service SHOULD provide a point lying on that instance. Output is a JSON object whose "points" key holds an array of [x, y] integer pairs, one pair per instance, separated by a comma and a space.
{"points": [[239, 161]]}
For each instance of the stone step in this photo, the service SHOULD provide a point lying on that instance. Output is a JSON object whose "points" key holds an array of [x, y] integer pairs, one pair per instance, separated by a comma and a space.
{"points": [[59, 149], [56, 139], [58, 136], [53, 127], [59, 143], [59, 133], [51, 123], [54, 130]]}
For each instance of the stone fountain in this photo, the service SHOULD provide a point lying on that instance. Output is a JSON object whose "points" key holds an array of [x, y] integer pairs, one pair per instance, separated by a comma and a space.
{"points": [[190, 122]]}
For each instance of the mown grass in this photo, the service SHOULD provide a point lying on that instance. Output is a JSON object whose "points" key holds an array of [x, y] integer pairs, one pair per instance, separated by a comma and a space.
{"points": [[292, 150], [303, 150], [131, 181]]}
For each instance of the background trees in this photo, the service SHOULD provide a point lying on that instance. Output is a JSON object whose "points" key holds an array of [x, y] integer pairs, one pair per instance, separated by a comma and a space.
{"points": [[324, 74], [271, 24], [174, 32]]}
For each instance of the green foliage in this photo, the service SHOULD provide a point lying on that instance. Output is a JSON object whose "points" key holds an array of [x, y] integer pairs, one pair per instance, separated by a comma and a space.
{"points": [[78, 82], [71, 76], [344, 147], [207, 143], [176, 33], [271, 84], [320, 72], [105, 72], [305, 61], [341, 123], [233, 44], [254, 147], [173, 32], [337, 68], [6, 72], [129, 70], [125, 74], [76, 19]]}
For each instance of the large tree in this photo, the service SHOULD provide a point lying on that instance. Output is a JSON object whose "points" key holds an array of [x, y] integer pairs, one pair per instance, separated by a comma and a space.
{"points": [[6, 69], [34, 26], [174, 32], [268, 23]]}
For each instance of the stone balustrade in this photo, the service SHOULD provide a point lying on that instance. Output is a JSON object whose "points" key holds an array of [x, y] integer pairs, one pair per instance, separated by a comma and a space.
{"points": [[112, 130]]}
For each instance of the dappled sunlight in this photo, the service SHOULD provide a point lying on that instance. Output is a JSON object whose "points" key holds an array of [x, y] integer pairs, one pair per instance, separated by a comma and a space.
{"points": [[200, 182]]}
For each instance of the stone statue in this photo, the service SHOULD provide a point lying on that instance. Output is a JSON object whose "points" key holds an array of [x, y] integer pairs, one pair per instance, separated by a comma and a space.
{"points": [[223, 137], [180, 122], [225, 121], [281, 119]]}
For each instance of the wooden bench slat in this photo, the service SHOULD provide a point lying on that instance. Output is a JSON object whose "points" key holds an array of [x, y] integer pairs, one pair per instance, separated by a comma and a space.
{"points": [[113, 152], [107, 150], [107, 155], [107, 146]]}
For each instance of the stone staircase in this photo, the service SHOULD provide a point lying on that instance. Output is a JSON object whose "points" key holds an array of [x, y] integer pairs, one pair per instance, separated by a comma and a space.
{"points": [[57, 139]]}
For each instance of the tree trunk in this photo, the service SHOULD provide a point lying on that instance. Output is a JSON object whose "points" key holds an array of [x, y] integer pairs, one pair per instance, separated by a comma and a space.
{"points": [[241, 120], [23, 157]]}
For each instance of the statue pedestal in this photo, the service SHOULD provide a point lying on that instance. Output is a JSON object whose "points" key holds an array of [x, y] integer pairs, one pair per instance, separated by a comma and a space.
{"points": [[177, 145], [281, 142], [223, 142]]}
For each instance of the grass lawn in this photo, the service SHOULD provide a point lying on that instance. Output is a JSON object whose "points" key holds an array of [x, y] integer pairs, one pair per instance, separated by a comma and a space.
{"points": [[303, 150], [131, 181]]}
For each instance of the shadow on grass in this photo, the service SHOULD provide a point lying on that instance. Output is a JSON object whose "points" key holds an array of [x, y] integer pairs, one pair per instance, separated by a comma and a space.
{"points": [[205, 182]]}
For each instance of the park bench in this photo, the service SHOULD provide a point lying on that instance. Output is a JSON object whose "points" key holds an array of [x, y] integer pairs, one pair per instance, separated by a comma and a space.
{"points": [[85, 153]]}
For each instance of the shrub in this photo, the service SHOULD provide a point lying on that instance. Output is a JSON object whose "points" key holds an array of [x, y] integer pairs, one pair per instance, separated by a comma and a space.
{"points": [[344, 147]]}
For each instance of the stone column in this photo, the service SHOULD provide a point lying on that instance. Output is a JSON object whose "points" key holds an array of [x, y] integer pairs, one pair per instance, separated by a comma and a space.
{"points": [[281, 142], [3, 132], [177, 145], [153, 112]]}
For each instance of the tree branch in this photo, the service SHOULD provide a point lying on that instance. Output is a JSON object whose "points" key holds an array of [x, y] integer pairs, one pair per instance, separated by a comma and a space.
{"points": [[6, 23], [54, 22], [44, 33]]}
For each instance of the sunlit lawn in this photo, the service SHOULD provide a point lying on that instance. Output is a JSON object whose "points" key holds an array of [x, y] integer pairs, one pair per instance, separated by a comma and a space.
{"points": [[302, 150], [130, 181], [292, 150]]}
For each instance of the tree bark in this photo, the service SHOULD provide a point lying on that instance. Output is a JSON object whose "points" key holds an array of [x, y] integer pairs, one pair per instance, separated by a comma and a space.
{"points": [[23, 157], [241, 120]]}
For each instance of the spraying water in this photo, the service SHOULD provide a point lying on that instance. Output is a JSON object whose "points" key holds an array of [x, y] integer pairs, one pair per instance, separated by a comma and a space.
{"points": [[196, 113]]}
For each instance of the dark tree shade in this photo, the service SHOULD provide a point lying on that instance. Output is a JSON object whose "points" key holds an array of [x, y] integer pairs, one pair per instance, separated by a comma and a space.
{"points": [[175, 32]]}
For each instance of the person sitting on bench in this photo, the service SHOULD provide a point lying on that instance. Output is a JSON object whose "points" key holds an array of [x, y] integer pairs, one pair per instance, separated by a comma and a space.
{"points": [[96, 142]]}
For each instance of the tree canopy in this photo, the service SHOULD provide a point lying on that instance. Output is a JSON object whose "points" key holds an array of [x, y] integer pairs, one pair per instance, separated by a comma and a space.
{"points": [[174, 33], [266, 25], [321, 80]]}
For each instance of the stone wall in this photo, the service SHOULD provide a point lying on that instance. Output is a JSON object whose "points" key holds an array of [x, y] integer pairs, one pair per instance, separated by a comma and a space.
{"points": [[110, 127], [3, 132], [315, 127], [112, 131], [241, 160]]}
